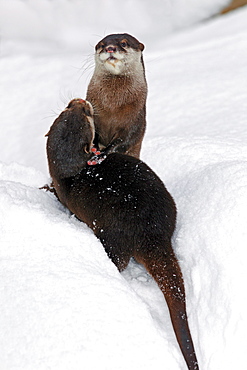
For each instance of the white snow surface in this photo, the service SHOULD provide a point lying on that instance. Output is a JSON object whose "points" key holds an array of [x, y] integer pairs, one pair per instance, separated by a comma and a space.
{"points": [[63, 304]]}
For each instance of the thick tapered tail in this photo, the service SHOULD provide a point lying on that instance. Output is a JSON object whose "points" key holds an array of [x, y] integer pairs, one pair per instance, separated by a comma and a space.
{"points": [[163, 266]]}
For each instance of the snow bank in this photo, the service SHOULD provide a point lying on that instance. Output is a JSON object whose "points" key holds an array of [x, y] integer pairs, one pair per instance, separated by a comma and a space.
{"points": [[208, 179], [63, 303], [81, 23]]}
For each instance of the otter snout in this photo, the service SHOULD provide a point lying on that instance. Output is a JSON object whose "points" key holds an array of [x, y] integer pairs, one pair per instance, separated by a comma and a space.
{"points": [[111, 49]]}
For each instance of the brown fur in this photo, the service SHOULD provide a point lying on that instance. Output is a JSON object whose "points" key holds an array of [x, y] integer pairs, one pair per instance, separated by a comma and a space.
{"points": [[119, 100], [126, 205]]}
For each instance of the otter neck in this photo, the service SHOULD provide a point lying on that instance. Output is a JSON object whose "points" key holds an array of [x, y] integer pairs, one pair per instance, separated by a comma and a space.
{"points": [[111, 89]]}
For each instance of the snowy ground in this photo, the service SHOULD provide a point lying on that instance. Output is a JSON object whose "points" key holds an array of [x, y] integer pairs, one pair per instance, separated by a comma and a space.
{"points": [[63, 303]]}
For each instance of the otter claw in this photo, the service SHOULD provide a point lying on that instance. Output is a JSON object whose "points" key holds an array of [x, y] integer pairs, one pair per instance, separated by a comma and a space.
{"points": [[97, 158], [92, 163]]}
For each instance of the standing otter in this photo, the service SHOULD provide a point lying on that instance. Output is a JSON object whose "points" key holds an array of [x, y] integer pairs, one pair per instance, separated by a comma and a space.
{"points": [[126, 205], [118, 92]]}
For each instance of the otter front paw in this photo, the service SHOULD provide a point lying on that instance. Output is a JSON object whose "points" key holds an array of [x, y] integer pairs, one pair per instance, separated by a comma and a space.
{"points": [[97, 158]]}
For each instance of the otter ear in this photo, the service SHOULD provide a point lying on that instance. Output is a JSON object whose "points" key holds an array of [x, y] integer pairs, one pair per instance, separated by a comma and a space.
{"points": [[141, 46], [48, 133], [87, 112]]}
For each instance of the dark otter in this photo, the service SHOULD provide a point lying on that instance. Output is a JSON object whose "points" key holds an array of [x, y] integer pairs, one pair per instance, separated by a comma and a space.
{"points": [[126, 205], [118, 92]]}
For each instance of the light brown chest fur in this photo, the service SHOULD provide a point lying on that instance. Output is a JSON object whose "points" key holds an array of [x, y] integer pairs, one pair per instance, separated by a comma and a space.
{"points": [[118, 102]]}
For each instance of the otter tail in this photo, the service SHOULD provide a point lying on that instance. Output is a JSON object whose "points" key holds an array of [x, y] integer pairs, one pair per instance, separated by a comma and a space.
{"points": [[163, 266]]}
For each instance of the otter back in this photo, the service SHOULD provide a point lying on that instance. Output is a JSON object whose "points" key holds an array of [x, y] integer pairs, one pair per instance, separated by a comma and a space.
{"points": [[126, 205]]}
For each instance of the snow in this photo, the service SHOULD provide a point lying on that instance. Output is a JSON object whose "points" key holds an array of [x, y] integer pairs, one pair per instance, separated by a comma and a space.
{"points": [[63, 304]]}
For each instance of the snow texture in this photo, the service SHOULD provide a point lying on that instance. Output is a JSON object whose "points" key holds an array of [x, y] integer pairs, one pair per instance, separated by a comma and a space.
{"points": [[63, 304]]}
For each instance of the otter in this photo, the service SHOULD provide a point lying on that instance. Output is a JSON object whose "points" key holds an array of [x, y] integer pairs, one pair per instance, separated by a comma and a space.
{"points": [[118, 93], [125, 204]]}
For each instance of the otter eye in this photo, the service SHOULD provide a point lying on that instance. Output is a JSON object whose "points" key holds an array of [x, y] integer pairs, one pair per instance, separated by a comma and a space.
{"points": [[100, 45], [123, 44], [87, 112]]}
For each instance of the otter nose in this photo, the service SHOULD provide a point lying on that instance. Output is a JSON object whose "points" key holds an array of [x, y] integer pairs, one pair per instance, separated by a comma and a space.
{"points": [[110, 49]]}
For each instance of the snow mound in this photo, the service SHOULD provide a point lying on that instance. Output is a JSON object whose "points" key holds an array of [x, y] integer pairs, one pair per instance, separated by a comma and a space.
{"points": [[66, 23], [73, 306]]}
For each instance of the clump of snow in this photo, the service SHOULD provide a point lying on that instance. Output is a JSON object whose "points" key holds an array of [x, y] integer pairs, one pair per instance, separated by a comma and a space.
{"points": [[63, 303]]}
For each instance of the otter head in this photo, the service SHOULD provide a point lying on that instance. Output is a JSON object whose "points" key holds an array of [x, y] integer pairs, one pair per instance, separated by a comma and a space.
{"points": [[82, 110], [119, 54], [70, 139]]}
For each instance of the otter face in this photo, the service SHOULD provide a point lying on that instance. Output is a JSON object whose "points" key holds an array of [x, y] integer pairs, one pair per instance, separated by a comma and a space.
{"points": [[116, 53]]}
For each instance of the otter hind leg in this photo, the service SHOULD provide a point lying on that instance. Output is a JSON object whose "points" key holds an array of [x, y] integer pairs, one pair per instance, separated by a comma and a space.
{"points": [[120, 261], [163, 266], [116, 250]]}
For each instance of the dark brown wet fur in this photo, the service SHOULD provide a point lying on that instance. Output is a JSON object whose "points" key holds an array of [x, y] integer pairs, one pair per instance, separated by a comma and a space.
{"points": [[119, 101], [126, 205]]}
